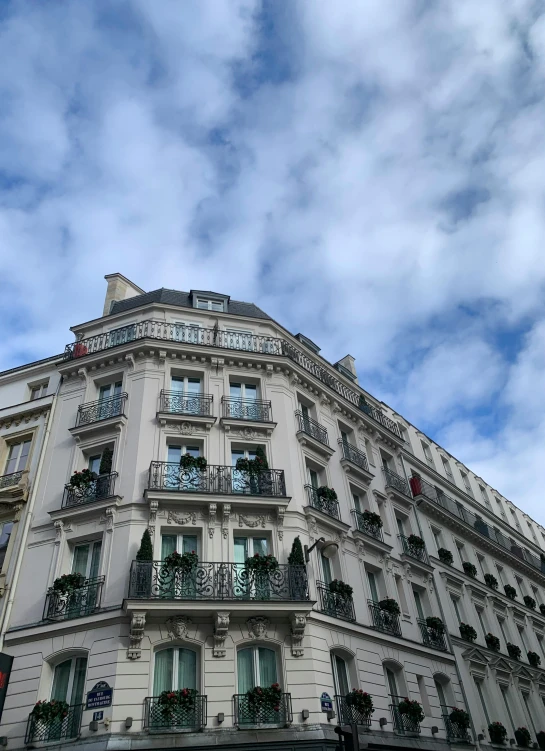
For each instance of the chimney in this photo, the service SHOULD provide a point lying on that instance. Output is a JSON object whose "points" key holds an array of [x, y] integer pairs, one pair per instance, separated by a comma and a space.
{"points": [[349, 363], [119, 288]]}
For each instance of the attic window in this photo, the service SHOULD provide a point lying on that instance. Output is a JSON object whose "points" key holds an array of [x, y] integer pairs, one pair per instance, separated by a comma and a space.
{"points": [[206, 304]]}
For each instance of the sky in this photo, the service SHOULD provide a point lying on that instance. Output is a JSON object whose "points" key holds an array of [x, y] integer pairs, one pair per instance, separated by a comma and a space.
{"points": [[370, 174]]}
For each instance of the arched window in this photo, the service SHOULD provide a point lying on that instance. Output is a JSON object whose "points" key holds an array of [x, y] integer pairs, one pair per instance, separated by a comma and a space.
{"points": [[444, 691], [341, 674], [69, 680], [175, 668], [395, 682], [256, 666]]}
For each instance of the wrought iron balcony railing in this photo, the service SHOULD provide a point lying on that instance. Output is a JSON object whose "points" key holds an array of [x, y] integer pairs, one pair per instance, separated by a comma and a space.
{"points": [[431, 637], [325, 505], [195, 335], [102, 409], [75, 604], [216, 479], [161, 717], [413, 550], [384, 621], [96, 490], [455, 732], [420, 487], [403, 723], [249, 714], [14, 478], [155, 580], [246, 409], [353, 455], [179, 403], [348, 714], [393, 480], [56, 729], [335, 604], [367, 527], [312, 428]]}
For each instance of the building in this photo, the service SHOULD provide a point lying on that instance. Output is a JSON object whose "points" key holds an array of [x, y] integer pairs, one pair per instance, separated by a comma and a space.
{"points": [[204, 421]]}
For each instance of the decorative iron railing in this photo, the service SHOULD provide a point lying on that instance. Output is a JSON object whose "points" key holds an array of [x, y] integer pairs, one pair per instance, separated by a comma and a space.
{"points": [[420, 487], [325, 505], [335, 604], [431, 637], [96, 490], [226, 340], [161, 717], [155, 580], [14, 478], [102, 409], [75, 604], [403, 723], [179, 403], [348, 714], [216, 479], [393, 480], [249, 714], [353, 455], [246, 409], [455, 731], [367, 527], [56, 729], [312, 428], [384, 621], [413, 549]]}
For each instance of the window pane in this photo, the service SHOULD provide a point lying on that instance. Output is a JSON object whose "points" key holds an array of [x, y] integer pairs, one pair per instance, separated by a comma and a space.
{"points": [[194, 385], [440, 694], [162, 674], [177, 384], [94, 463], [192, 450], [250, 392], [60, 681], [342, 676], [236, 454], [392, 683], [78, 686], [23, 456], [235, 390], [218, 306], [168, 545], [372, 586], [267, 667], [95, 560], [313, 476], [260, 546], [81, 556], [189, 544], [326, 569], [241, 549], [11, 464], [245, 668], [418, 603], [187, 668], [357, 502], [5, 534], [173, 454]]}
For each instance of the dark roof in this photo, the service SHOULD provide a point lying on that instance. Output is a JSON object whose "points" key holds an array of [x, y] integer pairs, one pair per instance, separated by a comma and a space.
{"points": [[32, 364], [183, 300]]}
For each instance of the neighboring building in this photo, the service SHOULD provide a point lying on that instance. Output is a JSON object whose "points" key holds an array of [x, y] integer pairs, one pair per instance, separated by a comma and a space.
{"points": [[165, 379]]}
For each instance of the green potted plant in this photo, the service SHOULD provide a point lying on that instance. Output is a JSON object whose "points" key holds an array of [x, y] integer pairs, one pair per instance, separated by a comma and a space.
{"points": [[541, 739], [416, 543], [460, 718], [467, 632], [510, 591], [470, 569], [523, 737], [262, 564], [326, 494], [497, 732], [412, 709], [183, 562], [491, 581], [529, 602], [82, 480], [435, 624], [513, 651], [144, 556], [297, 571], [389, 605], [361, 701], [145, 551], [534, 659], [371, 519], [492, 642], [339, 587], [173, 701], [263, 701], [445, 556], [67, 583], [48, 711], [189, 462]]}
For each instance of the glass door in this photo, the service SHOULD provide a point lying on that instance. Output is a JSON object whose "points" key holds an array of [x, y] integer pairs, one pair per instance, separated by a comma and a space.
{"points": [[392, 686], [178, 478], [248, 584], [68, 686], [180, 584], [109, 406], [256, 666], [373, 589], [242, 481], [17, 457], [85, 561], [340, 675], [187, 396]]}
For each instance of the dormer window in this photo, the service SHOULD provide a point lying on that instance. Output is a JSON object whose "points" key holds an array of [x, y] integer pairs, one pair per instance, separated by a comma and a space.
{"points": [[206, 304]]}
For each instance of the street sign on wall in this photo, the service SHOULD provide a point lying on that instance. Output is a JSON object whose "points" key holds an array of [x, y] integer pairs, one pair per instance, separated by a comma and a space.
{"points": [[326, 702], [99, 696]]}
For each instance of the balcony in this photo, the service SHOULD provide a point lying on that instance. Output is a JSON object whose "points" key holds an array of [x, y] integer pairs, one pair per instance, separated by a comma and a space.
{"points": [[56, 729], [354, 461], [178, 407], [310, 433], [413, 550], [455, 732], [102, 409], [325, 505], [246, 409], [348, 714], [96, 490], [160, 717], [369, 528], [431, 637], [396, 483], [403, 723], [248, 715], [154, 580], [13, 487], [384, 621], [75, 604], [335, 604], [216, 479]]}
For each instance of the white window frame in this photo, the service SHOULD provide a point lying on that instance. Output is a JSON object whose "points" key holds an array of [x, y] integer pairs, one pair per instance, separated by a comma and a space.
{"points": [[40, 388], [11, 444], [209, 303], [176, 662], [255, 649]]}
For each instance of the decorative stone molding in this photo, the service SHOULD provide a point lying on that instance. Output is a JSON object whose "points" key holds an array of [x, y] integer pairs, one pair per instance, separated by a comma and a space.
{"points": [[258, 626], [221, 629], [109, 517], [212, 509], [177, 626], [153, 509], [129, 359], [136, 634], [257, 521], [59, 528], [280, 512], [269, 369], [176, 518], [298, 622], [225, 520]]}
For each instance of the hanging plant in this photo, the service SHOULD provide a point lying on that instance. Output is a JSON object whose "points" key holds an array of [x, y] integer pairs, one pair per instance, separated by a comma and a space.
{"points": [[361, 701], [436, 624], [534, 659], [470, 569], [510, 591], [467, 632], [171, 701], [529, 602], [416, 542], [188, 462], [262, 564], [523, 737], [268, 699], [513, 651], [82, 479], [412, 709], [445, 556], [339, 587], [492, 642], [389, 605], [68, 583], [296, 557], [184, 562], [328, 494], [491, 581], [372, 519], [460, 718], [47, 711], [497, 732]]}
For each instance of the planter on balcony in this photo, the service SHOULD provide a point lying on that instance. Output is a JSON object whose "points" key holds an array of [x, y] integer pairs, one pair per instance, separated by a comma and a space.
{"points": [[542, 609], [445, 556], [328, 494], [183, 562], [416, 543], [497, 732], [467, 632], [261, 564], [53, 721], [529, 602], [83, 479], [470, 569], [371, 519], [172, 703], [189, 462], [68, 583], [460, 718], [492, 642], [339, 587], [361, 701], [523, 737], [412, 709], [389, 605], [510, 591], [491, 581], [435, 624], [80, 350], [513, 651], [534, 659]]}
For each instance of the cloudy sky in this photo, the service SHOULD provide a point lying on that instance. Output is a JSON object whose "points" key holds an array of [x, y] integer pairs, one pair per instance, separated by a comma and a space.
{"points": [[371, 174]]}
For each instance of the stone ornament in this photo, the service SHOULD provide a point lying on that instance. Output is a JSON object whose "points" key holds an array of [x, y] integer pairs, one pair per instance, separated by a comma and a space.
{"points": [[136, 634], [298, 622], [221, 629], [258, 627], [177, 626]]}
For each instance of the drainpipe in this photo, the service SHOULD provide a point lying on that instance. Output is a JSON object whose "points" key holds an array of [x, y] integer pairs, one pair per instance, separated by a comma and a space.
{"points": [[449, 642], [28, 516]]}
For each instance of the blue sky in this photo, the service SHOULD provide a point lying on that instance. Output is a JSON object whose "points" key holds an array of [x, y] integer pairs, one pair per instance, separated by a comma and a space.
{"points": [[371, 174]]}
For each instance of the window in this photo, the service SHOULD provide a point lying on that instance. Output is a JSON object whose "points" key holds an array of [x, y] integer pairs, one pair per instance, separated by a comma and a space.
{"points": [[190, 332], [244, 586], [532, 532], [239, 339], [541, 644], [357, 502], [401, 594], [481, 562], [313, 478], [522, 638], [455, 605], [500, 575], [427, 452], [369, 452], [403, 432], [109, 406], [373, 589], [256, 666], [69, 681], [174, 668], [521, 586], [437, 537], [479, 687], [186, 479], [515, 519], [327, 574], [111, 389], [6, 529], [461, 552], [423, 695], [38, 391], [440, 694], [503, 690], [181, 543], [446, 467], [467, 485], [501, 624], [501, 509], [86, 559], [387, 462], [484, 496], [529, 713], [400, 525], [185, 385], [418, 603], [17, 457], [481, 621], [243, 391], [340, 675], [215, 305]]}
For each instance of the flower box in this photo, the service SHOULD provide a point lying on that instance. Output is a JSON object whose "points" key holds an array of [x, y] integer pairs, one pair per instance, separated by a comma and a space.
{"points": [[171, 701], [372, 519], [412, 709], [491, 581], [497, 732], [188, 462], [470, 569], [82, 479], [435, 624], [529, 602], [534, 659], [265, 699], [513, 651], [262, 564], [460, 718], [46, 711], [184, 562], [416, 542], [328, 494], [389, 605], [467, 632], [68, 583], [445, 556], [492, 642], [523, 737], [361, 701], [541, 739], [339, 587], [510, 591]]}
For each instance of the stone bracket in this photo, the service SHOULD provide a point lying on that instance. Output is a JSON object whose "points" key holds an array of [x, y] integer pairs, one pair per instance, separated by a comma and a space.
{"points": [[221, 629], [136, 634], [298, 623]]}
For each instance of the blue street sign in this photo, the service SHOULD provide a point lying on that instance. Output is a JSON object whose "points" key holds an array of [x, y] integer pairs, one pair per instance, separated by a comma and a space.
{"points": [[326, 702], [99, 696]]}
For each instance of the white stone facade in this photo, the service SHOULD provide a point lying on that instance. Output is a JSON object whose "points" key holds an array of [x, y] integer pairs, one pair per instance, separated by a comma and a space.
{"points": [[133, 355]]}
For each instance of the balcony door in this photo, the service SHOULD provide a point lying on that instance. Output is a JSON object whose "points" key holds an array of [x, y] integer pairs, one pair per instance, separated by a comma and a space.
{"points": [[86, 561], [256, 666], [188, 332], [69, 686], [109, 408], [241, 481], [178, 585], [245, 584], [340, 675], [327, 573], [373, 589], [392, 686], [243, 404], [187, 394], [175, 478], [174, 669]]}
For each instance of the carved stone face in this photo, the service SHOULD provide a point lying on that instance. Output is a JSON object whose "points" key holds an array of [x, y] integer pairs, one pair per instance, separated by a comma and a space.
{"points": [[177, 626], [258, 626]]}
